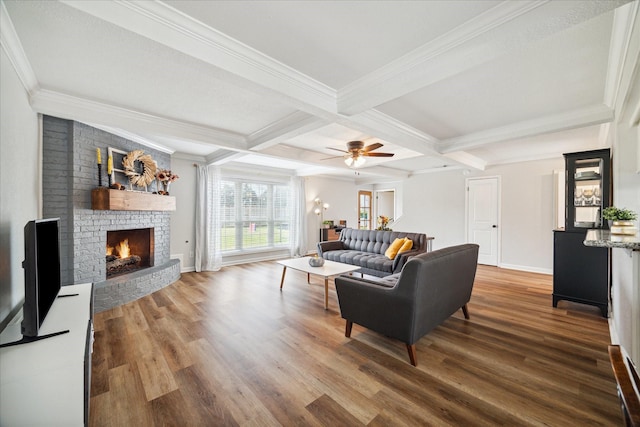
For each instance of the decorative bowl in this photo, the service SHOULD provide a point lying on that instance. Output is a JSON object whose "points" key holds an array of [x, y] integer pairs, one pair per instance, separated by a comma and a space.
{"points": [[316, 261]]}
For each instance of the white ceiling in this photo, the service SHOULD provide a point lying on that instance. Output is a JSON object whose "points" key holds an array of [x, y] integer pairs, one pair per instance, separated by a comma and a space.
{"points": [[466, 84]]}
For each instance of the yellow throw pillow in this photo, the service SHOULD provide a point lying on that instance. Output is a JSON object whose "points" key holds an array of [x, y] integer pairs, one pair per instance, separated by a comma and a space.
{"points": [[393, 248], [408, 244]]}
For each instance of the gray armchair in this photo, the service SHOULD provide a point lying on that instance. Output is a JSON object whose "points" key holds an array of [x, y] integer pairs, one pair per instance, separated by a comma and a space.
{"points": [[406, 306]]}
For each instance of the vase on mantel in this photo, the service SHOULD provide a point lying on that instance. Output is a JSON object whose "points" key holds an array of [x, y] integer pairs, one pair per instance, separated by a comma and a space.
{"points": [[163, 187]]}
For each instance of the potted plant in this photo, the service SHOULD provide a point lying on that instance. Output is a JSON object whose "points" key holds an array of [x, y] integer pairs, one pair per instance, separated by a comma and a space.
{"points": [[620, 220], [617, 215]]}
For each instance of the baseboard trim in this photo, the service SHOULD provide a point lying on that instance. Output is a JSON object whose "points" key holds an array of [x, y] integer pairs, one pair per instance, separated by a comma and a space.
{"points": [[526, 268]]}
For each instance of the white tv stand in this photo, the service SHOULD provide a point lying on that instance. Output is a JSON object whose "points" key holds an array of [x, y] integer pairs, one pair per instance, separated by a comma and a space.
{"points": [[47, 382]]}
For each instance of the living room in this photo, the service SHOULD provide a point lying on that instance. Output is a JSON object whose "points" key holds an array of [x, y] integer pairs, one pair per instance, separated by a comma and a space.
{"points": [[430, 197]]}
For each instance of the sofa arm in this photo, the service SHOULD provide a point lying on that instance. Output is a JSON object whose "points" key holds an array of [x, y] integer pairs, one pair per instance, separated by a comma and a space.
{"points": [[363, 301], [401, 259], [332, 245]]}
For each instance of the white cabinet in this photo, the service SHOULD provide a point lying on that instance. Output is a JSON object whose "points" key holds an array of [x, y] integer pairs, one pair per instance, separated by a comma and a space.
{"points": [[47, 382]]}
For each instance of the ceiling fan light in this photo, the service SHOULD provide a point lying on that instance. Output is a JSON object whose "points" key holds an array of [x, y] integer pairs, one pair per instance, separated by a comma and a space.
{"points": [[348, 161], [359, 161]]}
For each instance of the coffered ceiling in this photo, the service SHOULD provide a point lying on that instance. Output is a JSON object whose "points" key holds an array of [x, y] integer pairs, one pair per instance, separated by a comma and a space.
{"points": [[464, 84]]}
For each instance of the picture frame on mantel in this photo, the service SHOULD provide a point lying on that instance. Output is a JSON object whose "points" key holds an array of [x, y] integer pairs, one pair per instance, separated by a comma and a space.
{"points": [[117, 171]]}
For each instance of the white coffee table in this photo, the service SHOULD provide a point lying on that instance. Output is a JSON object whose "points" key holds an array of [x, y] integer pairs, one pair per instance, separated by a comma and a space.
{"points": [[330, 268]]}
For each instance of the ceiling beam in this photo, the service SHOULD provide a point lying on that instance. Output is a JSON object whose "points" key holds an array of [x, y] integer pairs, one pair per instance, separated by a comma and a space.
{"points": [[288, 127], [465, 159], [165, 25], [387, 128], [593, 115], [474, 43], [220, 157]]}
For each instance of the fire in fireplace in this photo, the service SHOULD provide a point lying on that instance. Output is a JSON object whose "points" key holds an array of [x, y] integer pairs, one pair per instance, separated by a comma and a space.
{"points": [[129, 250]]}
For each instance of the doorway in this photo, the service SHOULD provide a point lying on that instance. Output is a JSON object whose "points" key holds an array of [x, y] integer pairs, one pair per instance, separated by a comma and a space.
{"points": [[386, 203], [364, 210], [483, 215]]}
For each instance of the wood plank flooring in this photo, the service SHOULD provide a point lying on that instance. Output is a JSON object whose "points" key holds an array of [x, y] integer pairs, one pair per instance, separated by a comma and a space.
{"points": [[230, 348]]}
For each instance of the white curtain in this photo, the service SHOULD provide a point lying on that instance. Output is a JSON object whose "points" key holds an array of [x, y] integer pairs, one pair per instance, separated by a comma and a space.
{"points": [[298, 233], [208, 256]]}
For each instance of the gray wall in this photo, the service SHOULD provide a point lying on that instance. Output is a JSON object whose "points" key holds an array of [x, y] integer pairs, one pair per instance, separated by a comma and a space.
{"points": [[19, 184]]}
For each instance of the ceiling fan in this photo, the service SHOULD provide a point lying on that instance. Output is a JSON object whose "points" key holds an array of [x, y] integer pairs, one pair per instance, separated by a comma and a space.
{"points": [[356, 152]]}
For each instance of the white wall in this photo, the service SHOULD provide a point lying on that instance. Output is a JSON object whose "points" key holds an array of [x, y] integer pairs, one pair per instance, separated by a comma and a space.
{"points": [[625, 137], [342, 196], [183, 219], [20, 192], [434, 204]]}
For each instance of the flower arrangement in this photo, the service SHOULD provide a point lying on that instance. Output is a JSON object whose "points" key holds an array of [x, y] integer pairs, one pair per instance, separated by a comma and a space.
{"points": [[165, 177], [383, 223]]}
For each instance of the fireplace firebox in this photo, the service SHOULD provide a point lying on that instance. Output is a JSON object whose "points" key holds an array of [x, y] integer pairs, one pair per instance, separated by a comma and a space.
{"points": [[129, 250]]}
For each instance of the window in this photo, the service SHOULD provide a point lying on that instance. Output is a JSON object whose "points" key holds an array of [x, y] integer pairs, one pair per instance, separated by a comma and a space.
{"points": [[254, 215]]}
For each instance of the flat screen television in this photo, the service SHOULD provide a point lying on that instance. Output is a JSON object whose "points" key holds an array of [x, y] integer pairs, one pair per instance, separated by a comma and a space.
{"points": [[41, 272]]}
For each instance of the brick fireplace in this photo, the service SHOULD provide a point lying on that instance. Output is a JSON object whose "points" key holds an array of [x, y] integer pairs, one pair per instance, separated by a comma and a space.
{"points": [[69, 175]]}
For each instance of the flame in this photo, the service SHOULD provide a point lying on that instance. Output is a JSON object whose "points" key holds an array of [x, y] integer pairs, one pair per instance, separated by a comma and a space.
{"points": [[109, 250], [123, 249]]}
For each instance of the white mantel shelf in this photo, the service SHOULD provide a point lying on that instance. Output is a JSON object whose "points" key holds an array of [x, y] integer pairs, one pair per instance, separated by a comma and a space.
{"points": [[604, 239]]}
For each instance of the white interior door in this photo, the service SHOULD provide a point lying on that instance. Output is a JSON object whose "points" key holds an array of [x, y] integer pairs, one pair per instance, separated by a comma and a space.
{"points": [[482, 217]]}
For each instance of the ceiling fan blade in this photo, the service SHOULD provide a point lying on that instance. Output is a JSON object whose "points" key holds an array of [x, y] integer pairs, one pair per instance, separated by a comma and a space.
{"points": [[378, 154], [342, 151], [372, 147], [333, 157]]}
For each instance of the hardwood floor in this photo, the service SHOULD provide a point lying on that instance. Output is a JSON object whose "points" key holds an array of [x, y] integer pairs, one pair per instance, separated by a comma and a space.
{"points": [[229, 348]]}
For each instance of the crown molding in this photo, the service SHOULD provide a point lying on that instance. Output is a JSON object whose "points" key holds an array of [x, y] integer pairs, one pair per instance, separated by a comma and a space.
{"points": [[89, 111], [11, 45], [387, 128], [622, 28], [295, 124], [594, 115], [469, 45], [132, 137], [168, 26], [198, 160], [220, 157]]}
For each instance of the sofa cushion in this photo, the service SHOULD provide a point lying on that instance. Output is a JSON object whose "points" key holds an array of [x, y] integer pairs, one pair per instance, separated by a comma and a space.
{"points": [[363, 259], [407, 245], [394, 248]]}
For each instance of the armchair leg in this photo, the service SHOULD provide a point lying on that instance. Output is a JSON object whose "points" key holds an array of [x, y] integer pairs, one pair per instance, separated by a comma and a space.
{"points": [[347, 330], [465, 310], [411, 348]]}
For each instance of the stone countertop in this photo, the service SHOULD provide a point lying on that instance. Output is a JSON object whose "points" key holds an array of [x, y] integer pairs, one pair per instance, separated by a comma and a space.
{"points": [[604, 239]]}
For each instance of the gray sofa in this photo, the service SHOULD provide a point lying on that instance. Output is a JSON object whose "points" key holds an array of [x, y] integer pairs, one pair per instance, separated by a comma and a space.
{"points": [[406, 306], [366, 249]]}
